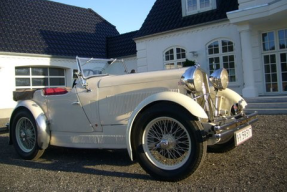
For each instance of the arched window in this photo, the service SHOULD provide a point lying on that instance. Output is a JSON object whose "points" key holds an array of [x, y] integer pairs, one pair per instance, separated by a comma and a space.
{"points": [[221, 55], [174, 58]]}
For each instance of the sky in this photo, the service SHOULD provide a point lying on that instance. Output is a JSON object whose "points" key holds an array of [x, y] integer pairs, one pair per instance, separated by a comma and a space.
{"points": [[126, 15]]}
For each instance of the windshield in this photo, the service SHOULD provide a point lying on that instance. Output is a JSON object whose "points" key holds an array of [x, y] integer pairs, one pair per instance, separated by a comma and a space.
{"points": [[89, 67]]}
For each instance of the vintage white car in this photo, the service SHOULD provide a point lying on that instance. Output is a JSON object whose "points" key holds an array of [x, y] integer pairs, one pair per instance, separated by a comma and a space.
{"points": [[165, 119]]}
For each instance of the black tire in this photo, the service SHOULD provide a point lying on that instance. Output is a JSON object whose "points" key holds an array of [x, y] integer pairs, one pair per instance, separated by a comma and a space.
{"points": [[166, 153], [222, 147], [24, 136]]}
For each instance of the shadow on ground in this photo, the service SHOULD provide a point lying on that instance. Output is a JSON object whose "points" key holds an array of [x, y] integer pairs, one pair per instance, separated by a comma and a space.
{"points": [[87, 161]]}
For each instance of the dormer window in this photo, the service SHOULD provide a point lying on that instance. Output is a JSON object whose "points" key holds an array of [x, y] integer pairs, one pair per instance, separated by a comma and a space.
{"points": [[190, 7]]}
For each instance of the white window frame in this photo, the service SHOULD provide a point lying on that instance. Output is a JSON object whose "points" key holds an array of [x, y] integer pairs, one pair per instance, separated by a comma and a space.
{"points": [[186, 12], [175, 59], [30, 77], [277, 51], [221, 55]]}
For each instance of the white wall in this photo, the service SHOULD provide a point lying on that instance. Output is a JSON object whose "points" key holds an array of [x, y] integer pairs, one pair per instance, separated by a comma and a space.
{"points": [[150, 51], [7, 75]]}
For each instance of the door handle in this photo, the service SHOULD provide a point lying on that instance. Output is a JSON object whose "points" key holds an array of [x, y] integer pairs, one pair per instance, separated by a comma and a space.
{"points": [[76, 103]]}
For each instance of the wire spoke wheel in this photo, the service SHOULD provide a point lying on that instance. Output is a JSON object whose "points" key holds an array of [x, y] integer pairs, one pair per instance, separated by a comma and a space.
{"points": [[166, 143], [25, 134]]}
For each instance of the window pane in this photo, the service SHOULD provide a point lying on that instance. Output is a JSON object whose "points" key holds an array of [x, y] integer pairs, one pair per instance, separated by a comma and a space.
{"points": [[283, 60], [180, 53], [179, 64], [39, 71], [191, 5], [284, 86], [274, 78], [22, 82], [227, 46], [56, 72], [40, 82], [57, 82], [169, 55], [169, 66], [274, 87], [273, 59], [204, 3], [24, 71], [213, 48], [266, 59], [282, 34], [267, 68], [268, 42], [271, 87], [267, 78], [273, 69]]}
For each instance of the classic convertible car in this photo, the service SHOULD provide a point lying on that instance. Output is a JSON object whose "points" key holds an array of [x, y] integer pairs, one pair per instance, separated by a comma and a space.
{"points": [[165, 119]]}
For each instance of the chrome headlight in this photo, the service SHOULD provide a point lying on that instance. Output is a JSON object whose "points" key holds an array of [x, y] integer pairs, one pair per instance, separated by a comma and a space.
{"points": [[219, 79], [193, 79]]}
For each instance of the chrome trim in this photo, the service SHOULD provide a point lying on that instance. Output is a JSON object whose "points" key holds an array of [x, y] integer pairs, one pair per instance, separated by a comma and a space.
{"points": [[226, 131], [226, 134], [219, 119], [245, 120]]}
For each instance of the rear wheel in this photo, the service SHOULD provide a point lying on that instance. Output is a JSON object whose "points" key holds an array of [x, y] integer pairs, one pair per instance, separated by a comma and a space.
{"points": [[24, 136], [168, 143]]}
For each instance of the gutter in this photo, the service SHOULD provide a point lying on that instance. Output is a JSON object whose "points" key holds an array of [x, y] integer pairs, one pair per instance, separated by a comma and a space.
{"points": [[35, 55]]}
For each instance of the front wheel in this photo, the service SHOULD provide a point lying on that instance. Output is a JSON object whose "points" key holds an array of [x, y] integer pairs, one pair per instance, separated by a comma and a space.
{"points": [[24, 136], [168, 142]]}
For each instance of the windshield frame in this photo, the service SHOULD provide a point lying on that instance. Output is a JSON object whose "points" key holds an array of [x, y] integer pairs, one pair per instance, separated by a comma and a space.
{"points": [[80, 65]]}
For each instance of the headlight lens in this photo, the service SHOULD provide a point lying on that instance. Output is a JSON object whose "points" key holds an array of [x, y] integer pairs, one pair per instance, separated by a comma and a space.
{"points": [[193, 79], [219, 79]]}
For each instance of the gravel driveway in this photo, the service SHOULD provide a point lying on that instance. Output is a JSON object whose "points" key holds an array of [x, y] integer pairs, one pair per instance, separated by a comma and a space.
{"points": [[257, 165]]}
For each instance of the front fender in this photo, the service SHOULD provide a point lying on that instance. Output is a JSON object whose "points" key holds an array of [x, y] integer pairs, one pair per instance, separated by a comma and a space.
{"points": [[231, 95], [43, 132], [186, 102]]}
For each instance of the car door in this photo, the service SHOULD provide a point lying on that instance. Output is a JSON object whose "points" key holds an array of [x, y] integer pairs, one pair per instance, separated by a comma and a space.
{"points": [[66, 113], [88, 98]]}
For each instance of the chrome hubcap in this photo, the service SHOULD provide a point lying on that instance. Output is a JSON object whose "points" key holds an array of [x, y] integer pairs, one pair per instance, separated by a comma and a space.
{"points": [[167, 142]]}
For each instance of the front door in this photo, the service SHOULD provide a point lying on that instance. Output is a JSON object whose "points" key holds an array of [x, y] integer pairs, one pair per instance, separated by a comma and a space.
{"points": [[66, 113]]}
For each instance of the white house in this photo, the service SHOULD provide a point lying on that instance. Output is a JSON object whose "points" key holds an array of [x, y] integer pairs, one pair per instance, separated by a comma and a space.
{"points": [[247, 37]]}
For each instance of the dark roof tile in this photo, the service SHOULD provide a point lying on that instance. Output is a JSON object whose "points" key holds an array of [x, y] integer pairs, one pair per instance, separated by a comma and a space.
{"points": [[121, 45], [46, 27], [166, 15]]}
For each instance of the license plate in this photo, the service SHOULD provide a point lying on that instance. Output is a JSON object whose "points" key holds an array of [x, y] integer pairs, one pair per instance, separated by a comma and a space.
{"points": [[242, 135]]}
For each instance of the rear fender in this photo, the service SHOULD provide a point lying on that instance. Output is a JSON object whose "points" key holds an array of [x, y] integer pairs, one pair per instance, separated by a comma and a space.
{"points": [[186, 102], [43, 132]]}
